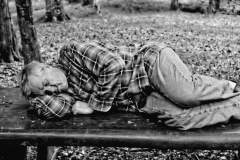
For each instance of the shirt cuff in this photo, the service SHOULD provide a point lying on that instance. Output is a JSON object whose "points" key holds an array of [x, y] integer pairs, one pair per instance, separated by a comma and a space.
{"points": [[98, 105]]}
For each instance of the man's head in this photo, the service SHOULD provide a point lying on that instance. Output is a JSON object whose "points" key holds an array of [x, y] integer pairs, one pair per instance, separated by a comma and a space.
{"points": [[38, 78]]}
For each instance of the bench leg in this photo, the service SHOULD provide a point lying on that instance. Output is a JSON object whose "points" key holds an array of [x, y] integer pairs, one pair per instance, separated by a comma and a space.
{"points": [[46, 152], [11, 152], [238, 154]]}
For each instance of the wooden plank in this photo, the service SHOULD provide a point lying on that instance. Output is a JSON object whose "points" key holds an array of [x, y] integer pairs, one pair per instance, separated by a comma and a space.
{"points": [[110, 129], [126, 138]]}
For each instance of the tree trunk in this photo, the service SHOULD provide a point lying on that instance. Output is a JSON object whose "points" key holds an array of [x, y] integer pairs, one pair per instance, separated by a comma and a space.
{"points": [[30, 46], [217, 4], [9, 51], [174, 5], [214, 5], [75, 1], [87, 2], [55, 11]]}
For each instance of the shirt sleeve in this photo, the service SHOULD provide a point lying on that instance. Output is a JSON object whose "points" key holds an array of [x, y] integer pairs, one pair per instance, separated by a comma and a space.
{"points": [[106, 67], [52, 106]]}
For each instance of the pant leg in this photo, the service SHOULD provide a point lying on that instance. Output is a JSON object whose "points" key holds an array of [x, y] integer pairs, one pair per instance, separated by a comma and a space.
{"points": [[195, 117], [206, 115], [173, 79]]}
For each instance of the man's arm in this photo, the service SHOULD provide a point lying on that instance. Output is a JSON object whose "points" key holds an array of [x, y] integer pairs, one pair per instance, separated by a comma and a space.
{"points": [[52, 106], [103, 65], [107, 67]]}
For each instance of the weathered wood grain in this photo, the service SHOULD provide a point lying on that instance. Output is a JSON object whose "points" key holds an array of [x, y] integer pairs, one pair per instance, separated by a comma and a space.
{"points": [[111, 129]]}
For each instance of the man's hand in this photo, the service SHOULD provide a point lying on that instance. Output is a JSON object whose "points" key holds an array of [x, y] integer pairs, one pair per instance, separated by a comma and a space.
{"points": [[237, 88], [81, 108], [50, 89]]}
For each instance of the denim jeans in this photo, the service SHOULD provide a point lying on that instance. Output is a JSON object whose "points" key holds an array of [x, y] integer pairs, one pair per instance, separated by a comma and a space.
{"points": [[187, 100]]}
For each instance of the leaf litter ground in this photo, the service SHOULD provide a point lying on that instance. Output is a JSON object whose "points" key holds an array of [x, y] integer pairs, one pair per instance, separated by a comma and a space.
{"points": [[209, 45]]}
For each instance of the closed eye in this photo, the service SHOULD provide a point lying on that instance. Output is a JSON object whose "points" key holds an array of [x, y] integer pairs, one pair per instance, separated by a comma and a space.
{"points": [[42, 69]]}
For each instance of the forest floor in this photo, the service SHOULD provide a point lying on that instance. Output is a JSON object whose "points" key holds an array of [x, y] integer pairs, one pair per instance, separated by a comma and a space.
{"points": [[208, 44]]}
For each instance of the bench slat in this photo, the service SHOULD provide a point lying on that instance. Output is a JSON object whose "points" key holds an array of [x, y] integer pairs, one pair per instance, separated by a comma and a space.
{"points": [[130, 139], [110, 129]]}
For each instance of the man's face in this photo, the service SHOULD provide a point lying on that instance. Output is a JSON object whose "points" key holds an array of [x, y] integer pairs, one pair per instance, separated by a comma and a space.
{"points": [[44, 78]]}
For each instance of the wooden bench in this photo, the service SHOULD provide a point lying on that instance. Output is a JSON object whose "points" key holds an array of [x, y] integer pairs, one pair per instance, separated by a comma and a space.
{"points": [[19, 129]]}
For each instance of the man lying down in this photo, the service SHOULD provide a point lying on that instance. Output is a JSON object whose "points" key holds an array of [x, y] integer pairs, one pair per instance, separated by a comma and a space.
{"points": [[148, 78]]}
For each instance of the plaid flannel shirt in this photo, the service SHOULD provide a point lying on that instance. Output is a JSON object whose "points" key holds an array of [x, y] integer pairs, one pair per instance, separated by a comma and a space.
{"points": [[52, 106], [103, 75]]}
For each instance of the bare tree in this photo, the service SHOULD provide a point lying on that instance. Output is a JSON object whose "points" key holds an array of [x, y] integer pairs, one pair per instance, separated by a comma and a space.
{"points": [[174, 5], [214, 5], [9, 51], [55, 11], [30, 46], [217, 4]]}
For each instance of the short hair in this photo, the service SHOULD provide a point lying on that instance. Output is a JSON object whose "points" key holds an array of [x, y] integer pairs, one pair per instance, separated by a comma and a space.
{"points": [[23, 79]]}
